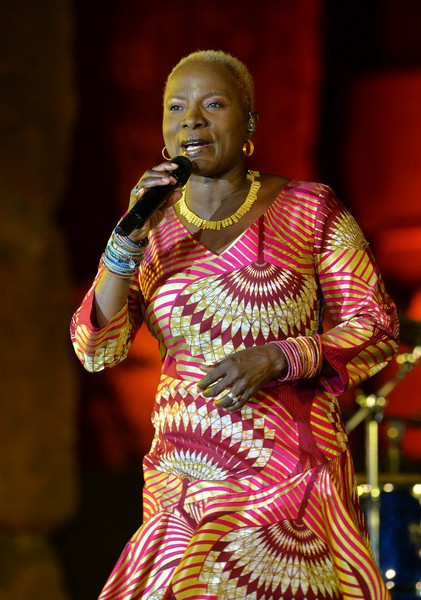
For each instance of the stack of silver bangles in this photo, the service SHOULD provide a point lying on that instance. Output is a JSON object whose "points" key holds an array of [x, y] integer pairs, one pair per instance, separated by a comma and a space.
{"points": [[122, 256]]}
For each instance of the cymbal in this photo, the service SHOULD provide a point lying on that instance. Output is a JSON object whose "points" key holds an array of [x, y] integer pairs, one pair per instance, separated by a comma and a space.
{"points": [[404, 479]]}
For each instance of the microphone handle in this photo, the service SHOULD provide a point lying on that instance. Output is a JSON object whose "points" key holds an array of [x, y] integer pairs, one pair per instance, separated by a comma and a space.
{"points": [[144, 208]]}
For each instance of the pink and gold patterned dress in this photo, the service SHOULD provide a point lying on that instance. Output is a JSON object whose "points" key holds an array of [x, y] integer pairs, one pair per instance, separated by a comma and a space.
{"points": [[260, 503]]}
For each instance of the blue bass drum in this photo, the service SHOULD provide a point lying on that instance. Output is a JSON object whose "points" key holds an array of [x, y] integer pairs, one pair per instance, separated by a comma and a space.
{"points": [[399, 537]]}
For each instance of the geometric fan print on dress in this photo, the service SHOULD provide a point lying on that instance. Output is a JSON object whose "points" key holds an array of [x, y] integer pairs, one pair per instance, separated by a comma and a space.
{"points": [[344, 232], [284, 560], [245, 307], [241, 442]]}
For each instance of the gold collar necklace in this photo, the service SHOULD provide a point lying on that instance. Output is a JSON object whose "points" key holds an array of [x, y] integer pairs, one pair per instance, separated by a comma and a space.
{"points": [[194, 219]]}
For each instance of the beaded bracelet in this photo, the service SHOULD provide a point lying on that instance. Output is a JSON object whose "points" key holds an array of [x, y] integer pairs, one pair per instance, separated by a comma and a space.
{"points": [[122, 256], [303, 355]]}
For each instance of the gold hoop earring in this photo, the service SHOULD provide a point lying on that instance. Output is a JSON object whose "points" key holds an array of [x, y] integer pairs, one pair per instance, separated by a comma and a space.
{"points": [[163, 154], [248, 148]]}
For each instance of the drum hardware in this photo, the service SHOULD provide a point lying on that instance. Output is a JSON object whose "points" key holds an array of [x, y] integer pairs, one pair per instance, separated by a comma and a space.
{"points": [[395, 428], [400, 532], [371, 412], [394, 432], [415, 537]]}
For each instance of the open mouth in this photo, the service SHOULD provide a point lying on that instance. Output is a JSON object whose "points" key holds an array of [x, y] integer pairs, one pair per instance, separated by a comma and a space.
{"points": [[194, 146]]}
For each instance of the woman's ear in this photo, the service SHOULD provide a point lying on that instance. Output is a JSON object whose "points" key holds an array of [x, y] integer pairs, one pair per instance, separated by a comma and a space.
{"points": [[252, 122]]}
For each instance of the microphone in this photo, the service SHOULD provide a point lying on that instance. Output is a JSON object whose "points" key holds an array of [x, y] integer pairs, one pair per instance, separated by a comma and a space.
{"points": [[155, 197]]}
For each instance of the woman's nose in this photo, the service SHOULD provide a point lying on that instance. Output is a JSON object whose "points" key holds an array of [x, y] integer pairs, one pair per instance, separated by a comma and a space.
{"points": [[193, 119]]}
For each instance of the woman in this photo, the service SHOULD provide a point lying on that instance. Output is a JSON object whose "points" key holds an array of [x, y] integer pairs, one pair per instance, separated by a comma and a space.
{"points": [[249, 485]]}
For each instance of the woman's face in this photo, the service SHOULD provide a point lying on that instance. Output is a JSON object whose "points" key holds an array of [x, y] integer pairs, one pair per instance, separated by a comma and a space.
{"points": [[204, 118]]}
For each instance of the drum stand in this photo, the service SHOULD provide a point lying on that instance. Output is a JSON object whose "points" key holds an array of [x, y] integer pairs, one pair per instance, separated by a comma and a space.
{"points": [[371, 411]]}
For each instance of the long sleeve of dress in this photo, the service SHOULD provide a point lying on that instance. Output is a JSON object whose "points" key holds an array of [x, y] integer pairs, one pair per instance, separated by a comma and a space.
{"points": [[365, 324], [100, 348]]}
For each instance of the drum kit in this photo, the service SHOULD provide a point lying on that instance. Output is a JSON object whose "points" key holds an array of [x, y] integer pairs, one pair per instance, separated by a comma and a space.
{"points": [[391, 500]]}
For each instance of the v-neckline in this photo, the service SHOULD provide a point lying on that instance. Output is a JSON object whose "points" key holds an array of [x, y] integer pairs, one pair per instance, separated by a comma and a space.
{"points": [[229, 246], [207, 250]]}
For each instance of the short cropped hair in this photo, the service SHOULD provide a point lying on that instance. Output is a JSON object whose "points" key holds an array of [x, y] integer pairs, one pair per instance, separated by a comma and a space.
{"points": [[238, 72]]}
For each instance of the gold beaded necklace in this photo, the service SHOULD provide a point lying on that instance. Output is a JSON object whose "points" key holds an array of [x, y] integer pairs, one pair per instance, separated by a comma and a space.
{"points": [[194, 219]]}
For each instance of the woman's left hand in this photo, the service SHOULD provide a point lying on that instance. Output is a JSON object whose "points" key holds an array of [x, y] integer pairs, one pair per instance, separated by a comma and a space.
{"points": [[241, 375]]}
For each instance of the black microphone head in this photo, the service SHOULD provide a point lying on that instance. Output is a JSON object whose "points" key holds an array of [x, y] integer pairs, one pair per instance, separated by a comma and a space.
{"points": [[185, 168]]}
